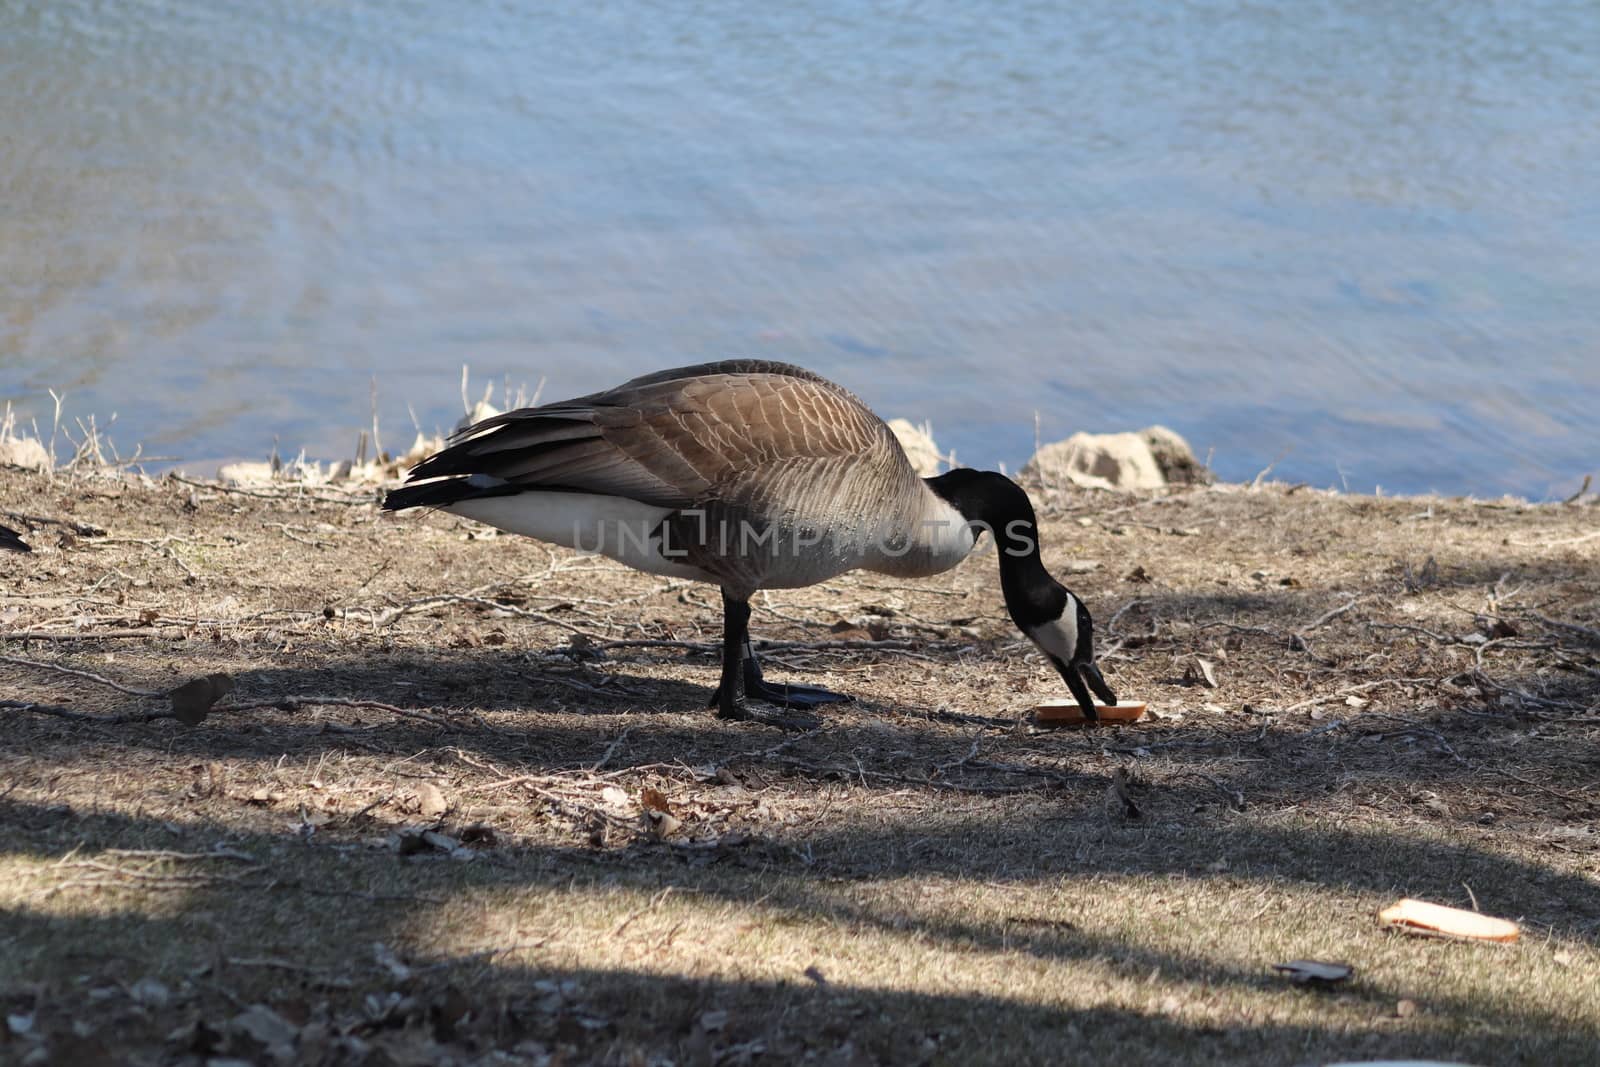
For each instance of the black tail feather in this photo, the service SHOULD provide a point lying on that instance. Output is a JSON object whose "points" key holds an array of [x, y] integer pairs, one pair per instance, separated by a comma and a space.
{"points": [[442, 493], [515, 436]]}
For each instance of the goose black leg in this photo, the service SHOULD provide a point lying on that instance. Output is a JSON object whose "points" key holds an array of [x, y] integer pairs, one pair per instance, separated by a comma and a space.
{"points": [[742, 680]]}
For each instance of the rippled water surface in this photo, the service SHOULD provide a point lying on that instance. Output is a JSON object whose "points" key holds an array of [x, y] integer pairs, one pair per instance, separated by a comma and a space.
{"points": [[1362, 237]]}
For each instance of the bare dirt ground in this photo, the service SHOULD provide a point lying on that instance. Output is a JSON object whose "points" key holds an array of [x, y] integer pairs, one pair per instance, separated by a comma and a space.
{"points": [[463, 803]]}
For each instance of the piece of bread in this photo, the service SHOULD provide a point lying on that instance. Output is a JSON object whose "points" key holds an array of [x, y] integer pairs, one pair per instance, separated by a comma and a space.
{"points": [[1067, 712], [1436, 920]]}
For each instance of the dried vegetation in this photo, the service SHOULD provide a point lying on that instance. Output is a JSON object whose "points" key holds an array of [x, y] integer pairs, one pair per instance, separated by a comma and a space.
{"points": [[284, 780]]}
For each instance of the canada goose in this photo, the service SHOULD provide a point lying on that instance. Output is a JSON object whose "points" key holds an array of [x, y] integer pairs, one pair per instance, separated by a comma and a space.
{"points": [[750, 475], [9, 538]]}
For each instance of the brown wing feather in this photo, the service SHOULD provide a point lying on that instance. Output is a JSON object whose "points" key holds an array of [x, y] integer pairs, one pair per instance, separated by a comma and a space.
{"points": [[751, 438]]}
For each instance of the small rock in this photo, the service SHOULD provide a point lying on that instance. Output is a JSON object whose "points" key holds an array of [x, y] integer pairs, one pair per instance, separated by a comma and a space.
{"points": [[265, 1026], [150, 992], [1152, 458]]}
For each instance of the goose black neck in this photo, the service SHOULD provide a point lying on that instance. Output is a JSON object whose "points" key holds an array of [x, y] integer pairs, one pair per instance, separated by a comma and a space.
{"points": [[996, 503]]}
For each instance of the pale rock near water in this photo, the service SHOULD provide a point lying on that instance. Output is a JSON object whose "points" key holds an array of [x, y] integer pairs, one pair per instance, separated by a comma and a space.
{"points": [[918, 443], [245, 474], [23, 452], [1152, 458]]}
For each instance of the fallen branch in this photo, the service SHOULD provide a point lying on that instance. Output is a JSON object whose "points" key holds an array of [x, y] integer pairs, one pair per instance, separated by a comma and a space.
{"points": [[295, 703], [60, 712], [1234, 797], [380, 619], [1589, 633], [82, 529], [291, 491], [286, 703], [1330, 615], [1575, 798], [1443, 639], [73, 671], [862, 774], [221, 852], [86, 635], [611, 750], [1484, 681]]}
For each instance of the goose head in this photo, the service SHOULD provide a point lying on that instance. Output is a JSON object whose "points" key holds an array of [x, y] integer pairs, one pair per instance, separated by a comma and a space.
{"points": [[1047, 612]]}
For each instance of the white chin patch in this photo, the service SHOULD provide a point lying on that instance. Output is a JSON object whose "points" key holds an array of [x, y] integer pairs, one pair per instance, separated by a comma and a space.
{"points": [[1059, 638]]}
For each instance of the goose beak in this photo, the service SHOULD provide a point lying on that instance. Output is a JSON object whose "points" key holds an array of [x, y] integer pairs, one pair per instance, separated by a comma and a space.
{"points": [[1082, 676]]}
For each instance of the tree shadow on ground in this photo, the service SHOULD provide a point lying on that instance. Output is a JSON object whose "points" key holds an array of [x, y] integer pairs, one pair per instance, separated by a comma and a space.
{"points": [[219, 946]]}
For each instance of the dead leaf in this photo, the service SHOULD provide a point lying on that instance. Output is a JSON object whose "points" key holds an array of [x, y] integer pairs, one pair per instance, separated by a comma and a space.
{"points": [[430, 801], [1200, 672], [614, 797], [662, 823], [1431, 800], [654, 800], [192, 701], [1406, 1008], [1356, 702], [1315, 972]]}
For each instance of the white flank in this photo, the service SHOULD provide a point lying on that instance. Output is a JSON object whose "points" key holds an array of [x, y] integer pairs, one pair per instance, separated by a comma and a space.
{"points": [[608, 525], [934, 541]]}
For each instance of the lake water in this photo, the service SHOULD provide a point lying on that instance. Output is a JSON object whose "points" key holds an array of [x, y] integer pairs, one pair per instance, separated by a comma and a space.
{"points": [[1358, 237]]}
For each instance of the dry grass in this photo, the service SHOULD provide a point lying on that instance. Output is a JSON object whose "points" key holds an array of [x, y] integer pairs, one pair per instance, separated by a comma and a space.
{"points": [[1408, 704]]}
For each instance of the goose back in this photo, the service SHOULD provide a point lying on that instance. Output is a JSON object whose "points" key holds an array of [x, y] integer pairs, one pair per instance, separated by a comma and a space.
{"points": [[764, 474]]}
